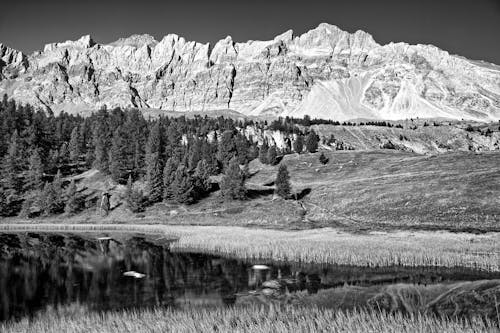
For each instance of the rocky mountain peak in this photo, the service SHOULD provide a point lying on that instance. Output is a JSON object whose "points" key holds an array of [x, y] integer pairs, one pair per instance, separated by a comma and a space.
{"points": [[325, 72]]}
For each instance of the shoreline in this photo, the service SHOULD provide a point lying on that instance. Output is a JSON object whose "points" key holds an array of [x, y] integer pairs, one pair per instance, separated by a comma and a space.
{"points": [[327, 245]]}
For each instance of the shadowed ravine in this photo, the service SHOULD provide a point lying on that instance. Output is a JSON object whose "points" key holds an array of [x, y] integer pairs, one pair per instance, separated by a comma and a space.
{"points": [[41, 269]]}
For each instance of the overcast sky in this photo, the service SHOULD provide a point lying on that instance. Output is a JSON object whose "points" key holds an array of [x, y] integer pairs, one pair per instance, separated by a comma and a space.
{"points": [[467, 27]]}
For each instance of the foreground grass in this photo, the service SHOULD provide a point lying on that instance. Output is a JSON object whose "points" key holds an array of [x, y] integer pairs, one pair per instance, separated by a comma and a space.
{"points": [[241, 319], [404, 248]]}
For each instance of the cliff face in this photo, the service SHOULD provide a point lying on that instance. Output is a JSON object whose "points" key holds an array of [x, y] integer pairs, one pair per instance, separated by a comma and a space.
{"points": [[326, 73]]}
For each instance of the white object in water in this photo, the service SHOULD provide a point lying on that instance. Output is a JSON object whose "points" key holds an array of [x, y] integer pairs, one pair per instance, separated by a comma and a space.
{"points": [[260, 267], [104, 238], [134, 274]]}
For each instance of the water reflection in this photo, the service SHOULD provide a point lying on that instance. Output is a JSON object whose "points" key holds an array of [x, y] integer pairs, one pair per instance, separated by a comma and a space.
{"points": [[37, 270]]}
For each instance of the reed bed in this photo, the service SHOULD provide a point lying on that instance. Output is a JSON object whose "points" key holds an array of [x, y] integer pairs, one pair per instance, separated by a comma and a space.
{"points": [[329, 246], [76, 319]]}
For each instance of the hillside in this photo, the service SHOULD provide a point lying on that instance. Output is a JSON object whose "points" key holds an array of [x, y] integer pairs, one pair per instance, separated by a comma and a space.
{"points": [[325, 73], [354, 191]]}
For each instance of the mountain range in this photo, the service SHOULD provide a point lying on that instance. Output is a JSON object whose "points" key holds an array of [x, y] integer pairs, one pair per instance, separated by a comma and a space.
{"points": [[324, 73]]}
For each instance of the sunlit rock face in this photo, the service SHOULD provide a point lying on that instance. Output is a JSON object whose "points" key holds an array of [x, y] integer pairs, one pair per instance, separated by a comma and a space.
{"points": [[325, 73]]}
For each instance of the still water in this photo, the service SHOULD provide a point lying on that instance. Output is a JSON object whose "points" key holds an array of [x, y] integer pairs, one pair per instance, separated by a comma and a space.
{"points": [[38, 270]]}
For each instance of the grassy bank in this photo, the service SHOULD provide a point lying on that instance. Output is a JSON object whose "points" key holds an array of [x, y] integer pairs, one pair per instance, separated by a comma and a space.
{"points": [[406, 248], [240, 319]]}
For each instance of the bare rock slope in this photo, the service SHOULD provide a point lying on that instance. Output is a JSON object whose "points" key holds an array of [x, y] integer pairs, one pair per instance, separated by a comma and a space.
{"points": [[325, 73]]}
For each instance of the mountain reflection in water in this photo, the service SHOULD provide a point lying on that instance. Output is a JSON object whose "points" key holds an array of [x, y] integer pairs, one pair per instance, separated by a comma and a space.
{"points": [[42, 269]]}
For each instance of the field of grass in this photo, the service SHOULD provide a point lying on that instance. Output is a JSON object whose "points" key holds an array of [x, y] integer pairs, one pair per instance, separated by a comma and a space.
{"points": [[355, 191], [394, 189], [404, 248], [241, 319]]}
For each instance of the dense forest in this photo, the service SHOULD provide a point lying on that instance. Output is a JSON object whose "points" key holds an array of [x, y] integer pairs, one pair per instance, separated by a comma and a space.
{"points": [[174, 157]]}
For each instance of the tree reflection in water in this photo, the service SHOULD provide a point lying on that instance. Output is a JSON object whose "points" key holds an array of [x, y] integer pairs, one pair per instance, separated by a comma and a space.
{"points": [[41, 269]]}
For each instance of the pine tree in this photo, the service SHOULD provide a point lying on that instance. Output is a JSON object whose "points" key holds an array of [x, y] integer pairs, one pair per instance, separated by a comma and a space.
{"points": [[233, 182], [154, 178], [323, 159], [298, 144], [168, 178], [35, 172], [134, 198], [183, 186], [12, 166], [226, 148], [272, 156], [57, 188], [118, 157], [71, 206], [282, 182], [100, 158], [312, 140], [75, 145], [202, 178], [263, 153], [154, 168]]}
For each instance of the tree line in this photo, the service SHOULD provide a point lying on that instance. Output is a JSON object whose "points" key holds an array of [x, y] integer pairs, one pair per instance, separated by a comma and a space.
{"points": [[174, 157]]}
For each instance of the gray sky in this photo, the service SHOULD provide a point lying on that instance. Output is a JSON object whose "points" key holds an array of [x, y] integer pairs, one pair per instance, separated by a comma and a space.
{"points": [[467, 27]]}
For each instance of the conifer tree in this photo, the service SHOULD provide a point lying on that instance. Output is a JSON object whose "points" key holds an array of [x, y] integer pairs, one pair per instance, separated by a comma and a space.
{"points": [[154, 168], [118, 157], [75, 145], [11, 166], [282, 182], [323, 159], [263, 153], [312, 140], [183, 186], [100, 157], [272, 156], [226, 148], [133, 198], [35, 172], [71, 206], [298, 144], [168, 178], [202, 178], [233, 182], [154, 179]]}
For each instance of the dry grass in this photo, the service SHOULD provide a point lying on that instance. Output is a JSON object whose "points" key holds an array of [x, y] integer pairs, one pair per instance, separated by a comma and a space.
{"points": [[405, 248], [241, 319], [393, 189]]}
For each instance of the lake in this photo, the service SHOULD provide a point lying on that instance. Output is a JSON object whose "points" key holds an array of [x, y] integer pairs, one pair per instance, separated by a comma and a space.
{"points": [[127, 271]]}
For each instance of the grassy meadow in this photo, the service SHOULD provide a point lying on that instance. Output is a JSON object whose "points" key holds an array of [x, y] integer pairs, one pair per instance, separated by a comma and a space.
{"points": [[393, 189], [326, 245], [75, 319]]}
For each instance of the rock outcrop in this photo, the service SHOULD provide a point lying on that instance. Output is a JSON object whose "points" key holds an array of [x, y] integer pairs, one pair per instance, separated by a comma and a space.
{"points": [[324, 73]]}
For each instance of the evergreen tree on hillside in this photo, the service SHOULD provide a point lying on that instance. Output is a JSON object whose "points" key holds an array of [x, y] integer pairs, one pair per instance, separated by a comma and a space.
{"points": [[12, 166], [35, 172], [202, 178], [242, 146], [75, 145], [71, 206], [233, 182], [312, 140], [323, 159], [298, 144], [282, 182], [183, 186], [154, 168], [168, 178], [100, 157], [134, 199], [226, 148], [57, 187], [154, 179], [263, 152], [272, 155], [118, 165]]}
